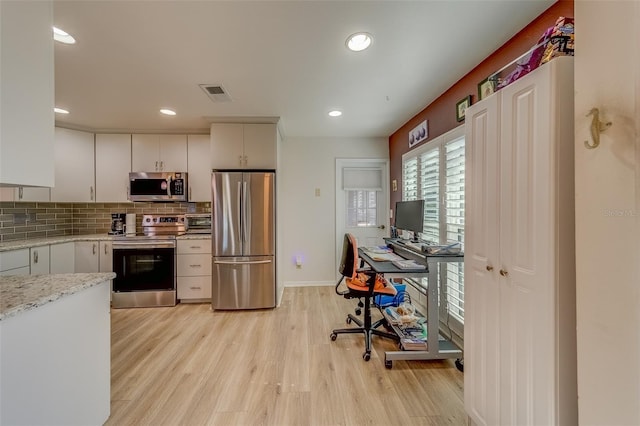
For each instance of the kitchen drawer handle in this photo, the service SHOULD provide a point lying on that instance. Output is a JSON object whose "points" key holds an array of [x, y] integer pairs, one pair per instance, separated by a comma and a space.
{"points": [[195, 288], [489, 268], [503, 272], [195, 247], [195, 266]]}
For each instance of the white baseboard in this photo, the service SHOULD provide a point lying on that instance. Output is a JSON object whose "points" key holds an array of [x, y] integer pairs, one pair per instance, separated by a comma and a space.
{"points": [[308, 283]]}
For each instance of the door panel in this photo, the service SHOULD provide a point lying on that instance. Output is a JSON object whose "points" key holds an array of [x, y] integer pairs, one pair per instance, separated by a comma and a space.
{"points": [[259, 215], [226, 238], [243, 283]]}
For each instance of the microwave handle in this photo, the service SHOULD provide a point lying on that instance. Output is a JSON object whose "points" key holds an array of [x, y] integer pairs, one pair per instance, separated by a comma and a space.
{"points": [[169, 186]]}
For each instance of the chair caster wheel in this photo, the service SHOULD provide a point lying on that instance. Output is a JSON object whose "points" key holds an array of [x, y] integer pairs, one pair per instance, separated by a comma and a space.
{"points": [[333, 336], [358, 312], [348, 320], [366, 356], [460, 364], [388, 364]]}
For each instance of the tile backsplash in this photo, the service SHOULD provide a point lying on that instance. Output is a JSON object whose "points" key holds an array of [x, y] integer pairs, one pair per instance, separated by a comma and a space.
{"points": [[29, 220]]}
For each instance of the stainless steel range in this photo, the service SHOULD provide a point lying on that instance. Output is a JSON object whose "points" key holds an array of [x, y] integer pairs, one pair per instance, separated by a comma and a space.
{"points": [[145, 265]]}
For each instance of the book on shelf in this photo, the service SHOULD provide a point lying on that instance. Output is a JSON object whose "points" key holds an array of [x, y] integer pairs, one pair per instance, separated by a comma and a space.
{"points": [[408, 264], [413, 344]]}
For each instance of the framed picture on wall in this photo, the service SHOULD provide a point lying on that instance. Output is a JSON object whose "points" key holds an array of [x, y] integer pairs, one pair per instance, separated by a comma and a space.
{"points": [[461, 108], [486, 88]]}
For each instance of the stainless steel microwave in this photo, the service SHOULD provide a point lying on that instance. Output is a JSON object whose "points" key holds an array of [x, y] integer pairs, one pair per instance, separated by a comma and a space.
{"points": [[158, 186]]}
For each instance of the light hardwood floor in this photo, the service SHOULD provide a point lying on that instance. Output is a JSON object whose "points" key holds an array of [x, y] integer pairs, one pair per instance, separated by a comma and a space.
{"points": [[187, 365]]}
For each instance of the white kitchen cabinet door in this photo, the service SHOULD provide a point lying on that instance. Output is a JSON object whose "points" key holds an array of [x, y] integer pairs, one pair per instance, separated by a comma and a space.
{"points": [[173, 153], [27, 87], [39, 260], [227, 145], [520, 334], [156, 153], [25, 193], [62, 258], [199, 162], [113, 164], [106, 256], [87, 256], [74, 164], [14, 262], [260, 146]]}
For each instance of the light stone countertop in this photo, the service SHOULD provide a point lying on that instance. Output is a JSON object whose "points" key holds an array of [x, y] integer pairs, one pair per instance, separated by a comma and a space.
{"points": [[38, 242], [25, 292]]}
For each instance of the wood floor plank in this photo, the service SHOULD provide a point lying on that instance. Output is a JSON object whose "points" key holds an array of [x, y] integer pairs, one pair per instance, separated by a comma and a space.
{"points": [[188, 365]]}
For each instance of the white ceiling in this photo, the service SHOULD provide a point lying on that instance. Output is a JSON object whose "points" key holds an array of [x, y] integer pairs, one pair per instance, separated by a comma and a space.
{"points": [[283, 59]]}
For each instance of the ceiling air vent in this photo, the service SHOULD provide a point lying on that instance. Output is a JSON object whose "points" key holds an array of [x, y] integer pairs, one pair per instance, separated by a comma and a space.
{"points": [[216, 92]]}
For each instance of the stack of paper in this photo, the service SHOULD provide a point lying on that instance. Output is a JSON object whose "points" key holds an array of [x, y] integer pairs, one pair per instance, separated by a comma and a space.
{"points": [[408, 264]]}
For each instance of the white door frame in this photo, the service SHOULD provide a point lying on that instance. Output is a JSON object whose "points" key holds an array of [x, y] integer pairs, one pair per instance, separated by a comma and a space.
{"points": [[341, 163]]}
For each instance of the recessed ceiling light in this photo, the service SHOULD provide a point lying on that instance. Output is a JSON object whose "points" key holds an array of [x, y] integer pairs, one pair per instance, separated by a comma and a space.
{"points": [[167, 111], [335, 113], [60, 110], [62, 36], [359, 41]]}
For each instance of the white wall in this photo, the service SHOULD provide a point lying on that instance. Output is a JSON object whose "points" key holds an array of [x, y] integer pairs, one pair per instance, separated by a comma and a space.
{"points": [[607, 74], [307, 222]]}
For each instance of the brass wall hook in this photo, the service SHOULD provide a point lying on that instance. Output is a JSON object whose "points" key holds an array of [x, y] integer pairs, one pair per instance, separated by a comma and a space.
{"points": [[596, 128]]}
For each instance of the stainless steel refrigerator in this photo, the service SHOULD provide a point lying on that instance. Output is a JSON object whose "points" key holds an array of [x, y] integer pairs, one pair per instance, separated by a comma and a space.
{"points": [[243, 238]]}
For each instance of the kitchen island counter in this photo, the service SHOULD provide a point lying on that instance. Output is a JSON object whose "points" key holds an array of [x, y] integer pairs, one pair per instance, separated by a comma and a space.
{"points": [[55, 365], [23, 293]]}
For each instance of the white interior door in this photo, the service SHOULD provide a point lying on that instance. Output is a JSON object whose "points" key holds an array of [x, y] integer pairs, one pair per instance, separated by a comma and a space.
{"points": [[362, 201]]}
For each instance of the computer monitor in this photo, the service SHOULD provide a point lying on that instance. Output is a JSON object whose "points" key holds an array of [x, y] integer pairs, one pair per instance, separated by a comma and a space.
{"points": [[410, 216]]}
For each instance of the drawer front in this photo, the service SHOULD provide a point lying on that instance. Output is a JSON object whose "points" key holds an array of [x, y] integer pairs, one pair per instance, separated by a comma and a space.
{"points": [[190, 265], [14, 259], [25, 270], [194, 287], [200, 246]]}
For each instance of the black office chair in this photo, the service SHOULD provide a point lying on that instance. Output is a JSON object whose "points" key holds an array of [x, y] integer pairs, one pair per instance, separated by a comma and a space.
{"points": [[362, 285]]}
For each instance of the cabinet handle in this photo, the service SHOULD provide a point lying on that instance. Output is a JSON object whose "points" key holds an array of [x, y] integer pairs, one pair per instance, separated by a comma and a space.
{"points": [[190, 197], [195, 288], [195, 266], [194, 247], [240, 160], [35, 256], [95, 250], [20, 193], [503, 272], [105, 249], [246, 160], [91, 193], [489, 268], [157, 166], [161, 165]]}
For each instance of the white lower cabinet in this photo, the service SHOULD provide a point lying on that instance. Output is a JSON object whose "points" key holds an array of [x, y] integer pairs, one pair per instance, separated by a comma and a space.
{"points": [[15, 262], [194, 270], [87, 256], [62, 258], [39, 260], [106, 256]]}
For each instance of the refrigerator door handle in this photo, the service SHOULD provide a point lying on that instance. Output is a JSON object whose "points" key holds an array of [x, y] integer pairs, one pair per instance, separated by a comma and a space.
{"points": [[245, 217], [248, 262], [240, 208]]}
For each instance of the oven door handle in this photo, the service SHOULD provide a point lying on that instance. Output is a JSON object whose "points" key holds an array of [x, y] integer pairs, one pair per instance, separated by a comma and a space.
{"points": [[130, 245]]}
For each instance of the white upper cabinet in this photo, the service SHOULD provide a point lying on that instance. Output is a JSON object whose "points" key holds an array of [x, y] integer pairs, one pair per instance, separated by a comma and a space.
{"points": [[199, 160], [113, 164], [75, 170], [157, 153], [25, 193], [27, 87], [244, 146]]}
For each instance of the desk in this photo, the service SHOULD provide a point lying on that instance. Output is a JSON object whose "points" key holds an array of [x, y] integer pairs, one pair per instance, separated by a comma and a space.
{"points": [[436, 348]]}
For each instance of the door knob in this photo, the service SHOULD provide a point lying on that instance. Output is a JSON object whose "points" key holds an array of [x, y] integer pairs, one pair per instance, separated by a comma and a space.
{"points": [[503, 272]]}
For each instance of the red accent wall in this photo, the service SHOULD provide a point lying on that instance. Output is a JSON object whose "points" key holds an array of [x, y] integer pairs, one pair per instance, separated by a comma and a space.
{"points": [[441, 112]]}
